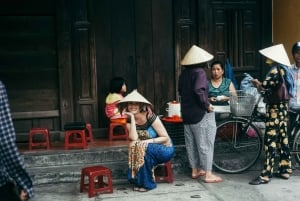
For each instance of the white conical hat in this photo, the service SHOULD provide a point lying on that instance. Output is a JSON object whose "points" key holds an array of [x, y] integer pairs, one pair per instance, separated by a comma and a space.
{"points": [[134, 96], [276, 53], [196, 55]]}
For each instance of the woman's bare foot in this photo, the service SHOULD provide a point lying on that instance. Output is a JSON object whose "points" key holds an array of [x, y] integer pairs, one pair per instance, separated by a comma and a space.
{"points": [[196, 173], [213, 179]]}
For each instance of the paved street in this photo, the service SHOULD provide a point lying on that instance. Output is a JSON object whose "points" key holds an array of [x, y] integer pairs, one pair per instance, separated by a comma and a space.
{"points": [[234, 188]]}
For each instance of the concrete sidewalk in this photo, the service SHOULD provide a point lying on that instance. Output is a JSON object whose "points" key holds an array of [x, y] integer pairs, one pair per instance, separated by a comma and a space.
{"points": [[234, 188]]}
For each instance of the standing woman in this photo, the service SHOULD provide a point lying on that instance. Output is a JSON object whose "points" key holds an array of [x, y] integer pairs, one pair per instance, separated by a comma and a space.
{"points": [[276, 137], [197, 114], [150, 143]]}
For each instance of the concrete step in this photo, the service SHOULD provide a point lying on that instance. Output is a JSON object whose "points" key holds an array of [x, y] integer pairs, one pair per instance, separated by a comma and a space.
{"points": [[58, 166]]}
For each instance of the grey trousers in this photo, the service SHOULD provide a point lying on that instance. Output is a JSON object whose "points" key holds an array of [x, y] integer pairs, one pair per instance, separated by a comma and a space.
{"points": [[199, 140]]}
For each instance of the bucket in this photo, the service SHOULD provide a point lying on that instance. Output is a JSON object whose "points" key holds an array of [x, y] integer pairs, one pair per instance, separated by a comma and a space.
{"points": [[173, 109]]}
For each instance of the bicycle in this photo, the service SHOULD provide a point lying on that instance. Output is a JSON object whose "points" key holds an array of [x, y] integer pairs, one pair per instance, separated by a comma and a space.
{"points": [[239, 143]]}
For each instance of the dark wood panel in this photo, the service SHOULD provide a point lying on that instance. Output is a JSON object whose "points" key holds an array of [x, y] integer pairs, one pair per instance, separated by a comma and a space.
{"points": [[33, 100], [185, 34], [144, 48], [100, 16], [163, 55], [24, 125], [235, 36], [123, 41], [64, 44], [28, 7], [84, 68]]}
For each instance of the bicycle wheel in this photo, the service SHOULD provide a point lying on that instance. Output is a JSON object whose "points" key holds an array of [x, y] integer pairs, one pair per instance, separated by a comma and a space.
{"points": [[296, 146], [237, 146]]}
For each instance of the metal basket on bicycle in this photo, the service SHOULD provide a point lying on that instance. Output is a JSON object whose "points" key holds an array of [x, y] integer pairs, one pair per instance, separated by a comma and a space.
{"points": [[242, 102]]}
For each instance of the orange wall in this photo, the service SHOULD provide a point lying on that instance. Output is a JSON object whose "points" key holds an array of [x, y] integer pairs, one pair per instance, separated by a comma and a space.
{"points": [[286, 23]]}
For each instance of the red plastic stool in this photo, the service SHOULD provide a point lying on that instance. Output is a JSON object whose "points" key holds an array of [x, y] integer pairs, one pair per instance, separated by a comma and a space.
{"points": [[113, 135], [89, 134], [75, 138], [99, 180], [163, 172], [39, 131]]}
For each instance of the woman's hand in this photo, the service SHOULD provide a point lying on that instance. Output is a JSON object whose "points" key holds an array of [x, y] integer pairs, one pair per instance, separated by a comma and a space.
{"points": [[256, 83], [210, 108], [146, 142], [129, 114], [213, 99]]}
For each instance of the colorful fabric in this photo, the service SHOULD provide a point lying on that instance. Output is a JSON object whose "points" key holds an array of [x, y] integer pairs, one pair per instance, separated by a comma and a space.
{"points": [[276, 138], [142, 159], [111, 109], [11, 165]]}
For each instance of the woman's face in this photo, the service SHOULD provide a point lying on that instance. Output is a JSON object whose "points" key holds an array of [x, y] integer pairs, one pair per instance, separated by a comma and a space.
{"points": [[133, 107], [269, 61], [217, 71]]}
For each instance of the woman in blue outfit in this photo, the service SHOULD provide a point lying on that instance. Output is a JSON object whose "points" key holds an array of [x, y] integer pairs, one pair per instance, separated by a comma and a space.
{"points": [[150, 143]]}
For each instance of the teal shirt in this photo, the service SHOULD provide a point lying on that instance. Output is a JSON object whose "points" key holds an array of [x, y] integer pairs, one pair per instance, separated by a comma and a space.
{"points": [[222, 90]]}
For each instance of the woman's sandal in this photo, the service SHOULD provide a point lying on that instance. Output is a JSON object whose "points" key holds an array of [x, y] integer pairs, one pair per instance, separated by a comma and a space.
{"points": [[135, 188], [285, 176], [142, 190], [214, 180], [282, 175], [199, 175]]}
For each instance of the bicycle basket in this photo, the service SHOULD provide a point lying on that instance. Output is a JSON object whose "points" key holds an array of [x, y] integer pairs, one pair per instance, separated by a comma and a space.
{"points": [[242, 102]]}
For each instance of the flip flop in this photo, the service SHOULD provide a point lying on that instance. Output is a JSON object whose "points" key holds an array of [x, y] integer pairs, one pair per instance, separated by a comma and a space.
{"points": [[136, 189], [285, 176], [215, 180], [199, 175], [142, 190]]}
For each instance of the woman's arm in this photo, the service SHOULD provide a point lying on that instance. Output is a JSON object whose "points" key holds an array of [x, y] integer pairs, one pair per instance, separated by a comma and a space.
{"points": [[163, 137], [133, 136], [232, 90]]}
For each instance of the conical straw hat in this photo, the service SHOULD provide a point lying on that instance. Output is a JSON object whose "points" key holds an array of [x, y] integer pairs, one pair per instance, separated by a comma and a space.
{"points": [[276, 53], [134, 96], [196, 55]]}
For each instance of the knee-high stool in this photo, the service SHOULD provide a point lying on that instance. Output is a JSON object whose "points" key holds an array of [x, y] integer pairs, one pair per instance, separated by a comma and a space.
{"points": [[118, 123], [75, 135], [99, 180], [39, 131], [163, 172]]}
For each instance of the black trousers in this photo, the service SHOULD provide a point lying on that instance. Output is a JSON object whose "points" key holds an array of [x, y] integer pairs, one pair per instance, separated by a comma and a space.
{"points": [[9, 192]]}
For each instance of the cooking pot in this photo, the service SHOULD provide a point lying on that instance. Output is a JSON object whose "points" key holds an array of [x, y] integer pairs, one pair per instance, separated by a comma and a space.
{"points": [[173, 109]]}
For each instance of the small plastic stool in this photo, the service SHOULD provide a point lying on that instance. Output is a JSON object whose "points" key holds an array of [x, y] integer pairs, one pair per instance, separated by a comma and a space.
{"points": [[75, 135], [163, 172], [112, 128], [39, 131], [99, 180]]}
